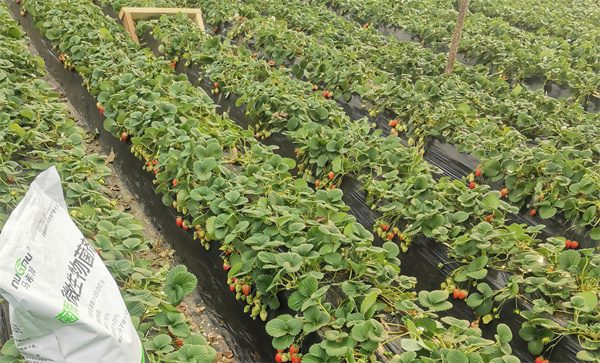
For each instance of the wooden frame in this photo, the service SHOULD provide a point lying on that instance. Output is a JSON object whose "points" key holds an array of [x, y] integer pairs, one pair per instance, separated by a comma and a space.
{"points": [[129, 14]]}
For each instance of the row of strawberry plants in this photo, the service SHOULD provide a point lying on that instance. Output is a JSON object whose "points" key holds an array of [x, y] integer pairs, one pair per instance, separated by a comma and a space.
{"points": [[564, 176], [367, 46], [575, 22], [509, 50], [169, 32], [37, 133], [346, 78], [277, 232]]}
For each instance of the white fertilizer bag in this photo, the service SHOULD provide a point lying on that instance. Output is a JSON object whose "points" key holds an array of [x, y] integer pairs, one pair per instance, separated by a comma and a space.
{"points": [[64, 304]]}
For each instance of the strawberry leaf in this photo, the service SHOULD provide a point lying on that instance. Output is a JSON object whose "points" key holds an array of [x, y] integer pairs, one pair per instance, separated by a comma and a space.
{"points": [[492, 168], [547, 212], [196, 354], [595, 234]]}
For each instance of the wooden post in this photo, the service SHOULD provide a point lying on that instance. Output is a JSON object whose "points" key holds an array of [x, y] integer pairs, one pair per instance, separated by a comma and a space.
{"points": [[462, 13], [129, 14], [198, 20], [129, 26]]}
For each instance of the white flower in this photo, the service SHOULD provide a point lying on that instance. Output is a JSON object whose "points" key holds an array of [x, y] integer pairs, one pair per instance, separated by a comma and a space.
{"points": [[330, 222]]}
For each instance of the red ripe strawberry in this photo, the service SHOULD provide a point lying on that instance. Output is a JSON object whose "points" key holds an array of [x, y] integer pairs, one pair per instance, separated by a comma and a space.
{"points": [[178, 342], [462, 294], [455, 293], [185, 226], [503, 192], [394, 132], [400, 237], [489, 218], [390, 236], [216, 29], [98, 252], [544, 361], [568, 244], [294, 349], [538, 360], [472, 185], [18, 1], [278, 357], [124, 137], [232, 287], [271, 63], [384, 227], [393, 123], [246, 289], [503, 77], [366, 25], [296, 359], [216, 85], [172, 64], [155, 162], [574, 244], [179, 222], [175, 181], [478, 172], [333, 187], [331, 175], [533, 212], [234, 280], [227, 252], [317, 183], [226, 266], [101, 110], [325, 94]]}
